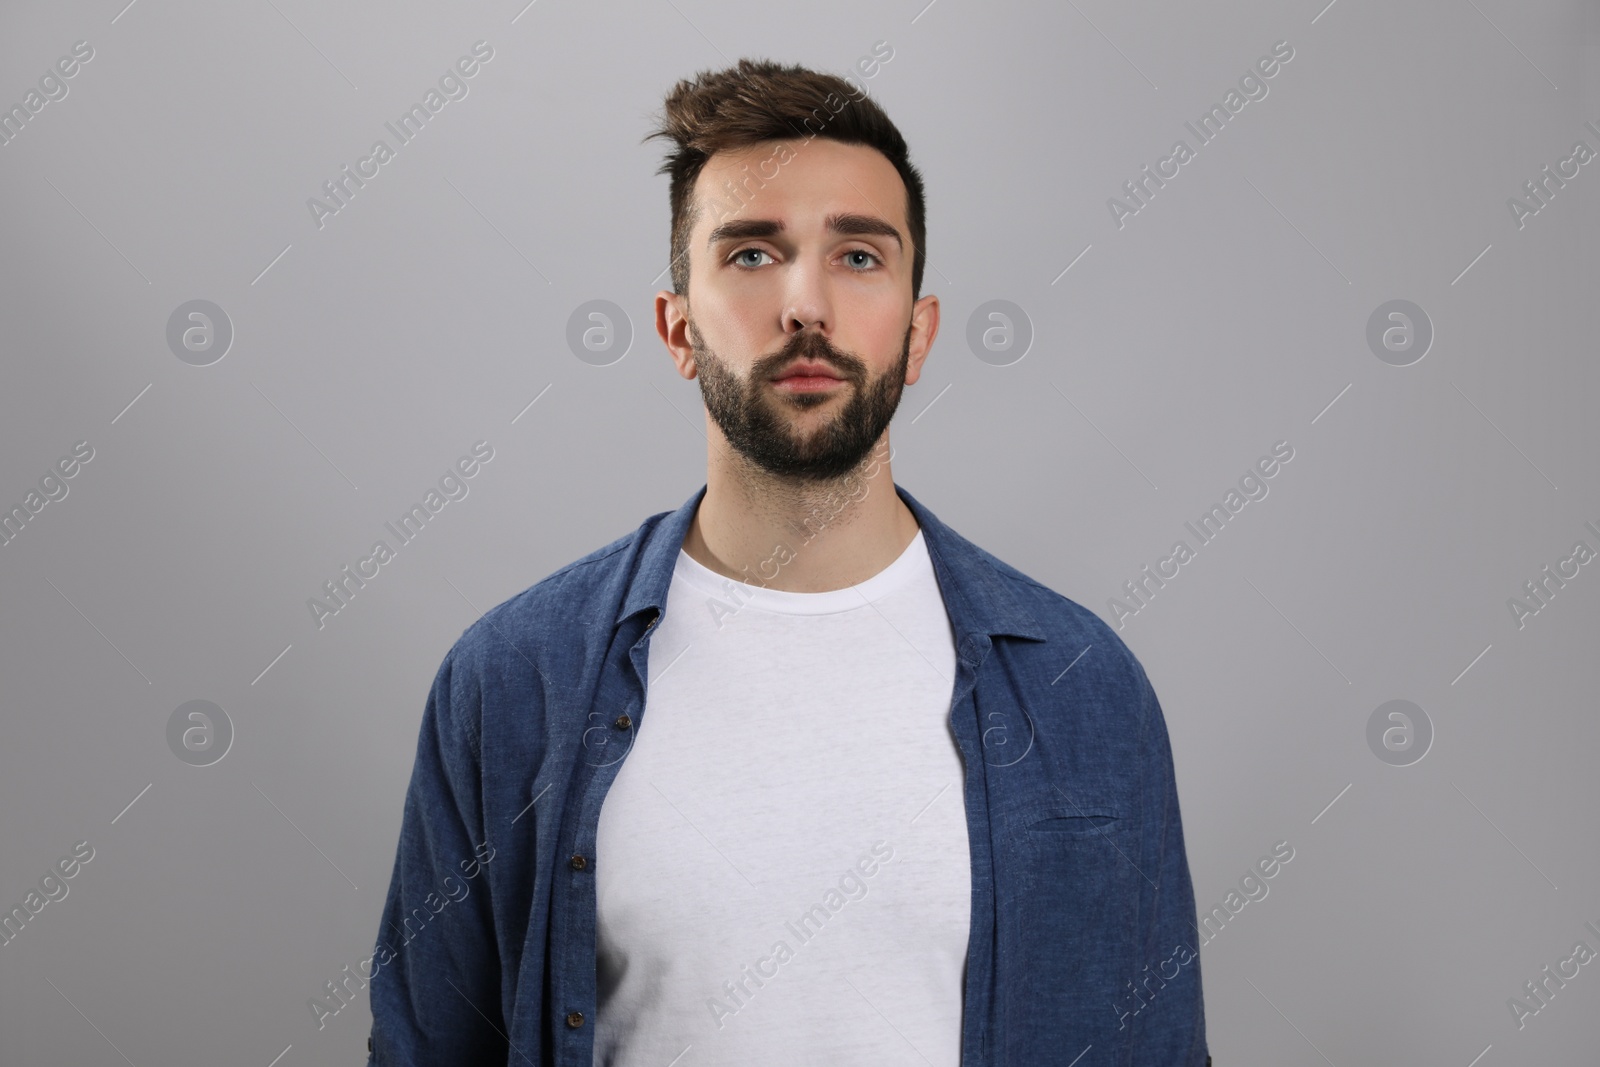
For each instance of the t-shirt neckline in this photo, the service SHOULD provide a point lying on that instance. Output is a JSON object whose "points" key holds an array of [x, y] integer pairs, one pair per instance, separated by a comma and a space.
{"points": [[784, 602]]}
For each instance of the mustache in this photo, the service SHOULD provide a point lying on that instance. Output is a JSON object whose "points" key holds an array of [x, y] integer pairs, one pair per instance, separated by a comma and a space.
{"points": [[813, 346]]}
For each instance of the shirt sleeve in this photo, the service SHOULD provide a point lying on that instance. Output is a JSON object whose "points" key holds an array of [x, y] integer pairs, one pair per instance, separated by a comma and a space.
{"points": [[1171, 1029], [436, 990]]}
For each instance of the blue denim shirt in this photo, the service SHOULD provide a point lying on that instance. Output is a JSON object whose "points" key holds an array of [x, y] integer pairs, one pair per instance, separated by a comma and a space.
{"points": [[1082, 948]]}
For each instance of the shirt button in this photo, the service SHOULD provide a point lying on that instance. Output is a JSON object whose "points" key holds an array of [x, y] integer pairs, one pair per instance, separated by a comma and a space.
{"points": [[623, 722], [578, 864], [574, 1019]]}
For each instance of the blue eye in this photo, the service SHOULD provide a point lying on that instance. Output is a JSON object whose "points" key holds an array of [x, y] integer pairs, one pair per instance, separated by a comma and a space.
{"points": [[737, 259]]}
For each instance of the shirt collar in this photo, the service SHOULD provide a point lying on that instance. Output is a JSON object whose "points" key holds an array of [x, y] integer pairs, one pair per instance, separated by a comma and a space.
{"points": [[979, 599]]}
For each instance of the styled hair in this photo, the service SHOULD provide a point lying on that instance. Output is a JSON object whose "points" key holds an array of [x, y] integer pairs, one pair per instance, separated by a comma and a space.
{"points": [[759, 101]]}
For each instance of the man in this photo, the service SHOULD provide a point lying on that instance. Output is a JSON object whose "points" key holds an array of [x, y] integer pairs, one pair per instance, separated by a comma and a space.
{"points": [[794, 774]]}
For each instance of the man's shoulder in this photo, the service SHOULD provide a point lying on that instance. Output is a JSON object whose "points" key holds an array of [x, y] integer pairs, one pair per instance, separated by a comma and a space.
{"points": [[1067, 624], [555, 609], [1058, 614]]}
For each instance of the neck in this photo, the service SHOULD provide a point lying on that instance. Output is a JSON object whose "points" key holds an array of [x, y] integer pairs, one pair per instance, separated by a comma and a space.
{"points": [[800, 536]]}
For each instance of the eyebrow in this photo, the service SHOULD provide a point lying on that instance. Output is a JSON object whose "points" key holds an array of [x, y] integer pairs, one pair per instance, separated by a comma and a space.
{"points": [[846, 224]]}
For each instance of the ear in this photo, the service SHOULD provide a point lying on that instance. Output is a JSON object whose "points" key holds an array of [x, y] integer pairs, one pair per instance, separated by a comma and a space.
{"points": [[924, 328], [672, 324]]}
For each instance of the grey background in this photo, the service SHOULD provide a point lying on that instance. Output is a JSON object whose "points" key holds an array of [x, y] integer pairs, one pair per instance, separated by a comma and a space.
{"points": [[1227, 315]]}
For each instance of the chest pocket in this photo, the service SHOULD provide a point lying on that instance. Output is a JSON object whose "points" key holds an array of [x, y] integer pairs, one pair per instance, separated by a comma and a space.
{"points": [[1076, 823], [1072, 902], [1080, 823]]}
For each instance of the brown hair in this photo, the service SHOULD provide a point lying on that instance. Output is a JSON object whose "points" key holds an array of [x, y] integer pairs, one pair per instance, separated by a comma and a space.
{"points": [[760, 101]]}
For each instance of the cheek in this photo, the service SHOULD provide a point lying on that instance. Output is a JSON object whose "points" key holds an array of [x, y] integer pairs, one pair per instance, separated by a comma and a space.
{"points": [[881, 348], [719, 314], [736, 328], [877, 325]]}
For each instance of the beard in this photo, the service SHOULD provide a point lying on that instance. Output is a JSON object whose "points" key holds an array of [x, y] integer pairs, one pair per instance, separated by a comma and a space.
{"points": [[759, 420]]}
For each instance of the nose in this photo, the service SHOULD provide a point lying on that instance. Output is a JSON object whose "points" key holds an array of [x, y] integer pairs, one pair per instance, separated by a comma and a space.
{"points": [[807, 303], [800, 317]]}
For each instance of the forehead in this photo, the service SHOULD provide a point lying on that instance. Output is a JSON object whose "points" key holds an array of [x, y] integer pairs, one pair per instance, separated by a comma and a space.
{"points": [[799, 182]]}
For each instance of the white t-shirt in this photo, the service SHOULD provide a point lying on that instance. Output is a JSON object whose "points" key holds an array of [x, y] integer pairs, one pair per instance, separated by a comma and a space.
{"points": [[782, 866]]}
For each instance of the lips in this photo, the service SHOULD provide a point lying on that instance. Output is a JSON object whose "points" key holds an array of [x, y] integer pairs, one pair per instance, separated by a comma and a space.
{"points": [[806, 369]]}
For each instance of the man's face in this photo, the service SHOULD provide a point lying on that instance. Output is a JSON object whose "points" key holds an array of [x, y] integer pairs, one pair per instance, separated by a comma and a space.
{"points": [[814, 265]]}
